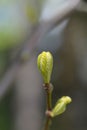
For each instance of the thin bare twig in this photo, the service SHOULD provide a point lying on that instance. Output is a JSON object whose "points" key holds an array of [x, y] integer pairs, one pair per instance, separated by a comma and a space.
{"points": [[48, 90]]}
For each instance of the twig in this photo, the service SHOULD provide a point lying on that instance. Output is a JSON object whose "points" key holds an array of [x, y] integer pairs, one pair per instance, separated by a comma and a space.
{"points": [[48, 90], [47, 123]]}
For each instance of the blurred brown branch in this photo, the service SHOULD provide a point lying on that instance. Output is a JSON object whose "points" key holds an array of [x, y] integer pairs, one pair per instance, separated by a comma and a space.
{"points": [[30, 46]]}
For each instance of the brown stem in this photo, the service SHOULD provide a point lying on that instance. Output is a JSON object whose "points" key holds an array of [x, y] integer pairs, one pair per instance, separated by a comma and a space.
{"points": [[48, 89], [47, 123]]}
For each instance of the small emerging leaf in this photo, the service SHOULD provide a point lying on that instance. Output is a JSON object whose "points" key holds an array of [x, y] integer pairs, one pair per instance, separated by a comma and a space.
{"points": [[45, 65], [60, 106]]}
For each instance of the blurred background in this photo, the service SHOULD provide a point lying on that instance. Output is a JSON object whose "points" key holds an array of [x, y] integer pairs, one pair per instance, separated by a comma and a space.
{"points": [[26, 29]]}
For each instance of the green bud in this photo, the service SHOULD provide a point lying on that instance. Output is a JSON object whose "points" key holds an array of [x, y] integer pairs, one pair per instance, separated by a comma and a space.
{"points": [[45, 65], [60, 106]]}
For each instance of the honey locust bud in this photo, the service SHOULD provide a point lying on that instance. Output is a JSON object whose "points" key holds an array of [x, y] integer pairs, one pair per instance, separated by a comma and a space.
{"points": [[60, 106], [45, 65]]}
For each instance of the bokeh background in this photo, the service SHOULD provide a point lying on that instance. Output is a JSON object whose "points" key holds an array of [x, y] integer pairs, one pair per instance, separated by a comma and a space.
{"points": [[22, 97]]}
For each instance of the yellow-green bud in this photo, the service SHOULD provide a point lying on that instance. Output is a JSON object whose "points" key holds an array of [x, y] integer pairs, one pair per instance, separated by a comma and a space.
{"points": [[45, 65], [60, 106]]}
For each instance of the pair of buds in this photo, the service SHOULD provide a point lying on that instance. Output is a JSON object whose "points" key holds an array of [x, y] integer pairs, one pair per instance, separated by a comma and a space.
{"points": [[45, 65]]}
